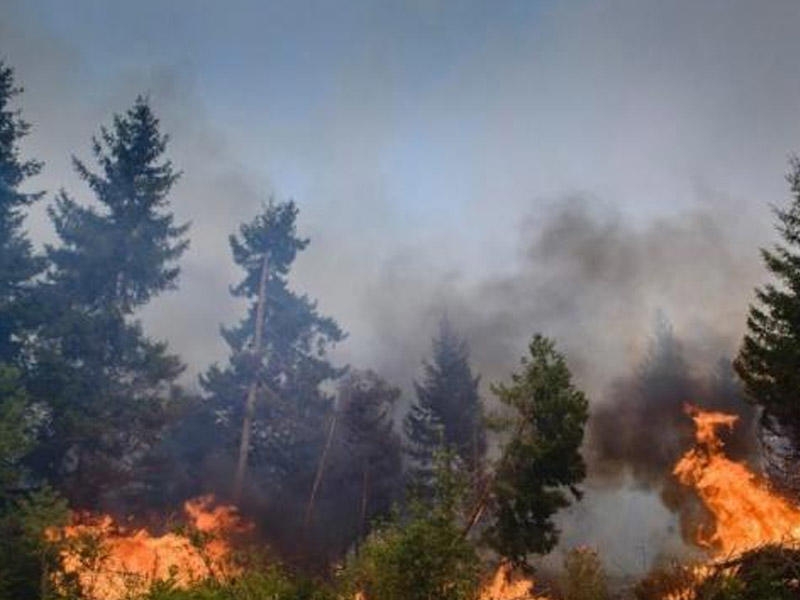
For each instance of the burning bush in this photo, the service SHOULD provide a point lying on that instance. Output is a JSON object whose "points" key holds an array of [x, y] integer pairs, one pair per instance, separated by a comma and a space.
{"points": [[102, 560], [770, 572]]}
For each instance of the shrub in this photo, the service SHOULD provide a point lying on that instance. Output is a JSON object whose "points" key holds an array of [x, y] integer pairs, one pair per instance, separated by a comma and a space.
{"points": [[424, 556], [584, 577]]}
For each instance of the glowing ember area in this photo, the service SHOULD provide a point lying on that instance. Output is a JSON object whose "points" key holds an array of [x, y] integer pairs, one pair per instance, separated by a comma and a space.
{"points": [[746, 513], [505, 585], [110, 562]]}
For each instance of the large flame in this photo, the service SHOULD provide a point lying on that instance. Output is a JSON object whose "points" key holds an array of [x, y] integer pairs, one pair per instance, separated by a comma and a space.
{"points": [[111, 562], [746, 513]]}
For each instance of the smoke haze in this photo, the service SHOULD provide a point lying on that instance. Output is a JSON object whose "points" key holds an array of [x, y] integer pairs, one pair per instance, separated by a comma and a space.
{"points": [[573, 169]]}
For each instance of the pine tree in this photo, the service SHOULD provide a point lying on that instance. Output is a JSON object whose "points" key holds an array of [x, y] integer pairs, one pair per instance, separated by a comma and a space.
{"points": [[769, 359], [18, 264], [286, 419], [374, 449], [448, 410], [540, 459], [424, 433], [105, 381], [18, 424]]}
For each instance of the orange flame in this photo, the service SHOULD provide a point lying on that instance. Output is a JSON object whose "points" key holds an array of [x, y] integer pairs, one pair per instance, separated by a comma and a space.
{"points": [[746, 512], [505, 585], [110, 562]]}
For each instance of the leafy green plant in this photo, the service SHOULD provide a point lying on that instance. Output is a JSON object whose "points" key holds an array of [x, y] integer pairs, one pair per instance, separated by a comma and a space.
{"points": [[423, 556]]}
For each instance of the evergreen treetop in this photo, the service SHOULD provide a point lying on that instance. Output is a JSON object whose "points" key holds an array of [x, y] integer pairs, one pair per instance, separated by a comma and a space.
{"points": [[106, 383], [291, 408], [769, 358], [18, 264], [296, 337], [540, 460], [448, 410], [120, 255]]}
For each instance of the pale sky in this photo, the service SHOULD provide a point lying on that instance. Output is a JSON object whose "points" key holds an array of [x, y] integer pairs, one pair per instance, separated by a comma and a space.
{"points": [[428, 145]]}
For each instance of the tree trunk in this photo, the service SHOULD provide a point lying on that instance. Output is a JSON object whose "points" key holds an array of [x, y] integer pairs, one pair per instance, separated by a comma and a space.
{"points": [[320, 470], [486, 489], [250, 402], [364, 497]]}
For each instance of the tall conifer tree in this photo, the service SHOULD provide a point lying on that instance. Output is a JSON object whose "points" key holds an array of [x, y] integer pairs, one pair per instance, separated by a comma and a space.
{"points": [[272, 393], [769, 359], [540, 460], [106, 381], [18, 264], [448, 410]]}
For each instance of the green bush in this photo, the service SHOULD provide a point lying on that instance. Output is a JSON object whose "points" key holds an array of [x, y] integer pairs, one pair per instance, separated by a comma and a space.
{"points": [[27, 557], [268, 584], [424, 556]]}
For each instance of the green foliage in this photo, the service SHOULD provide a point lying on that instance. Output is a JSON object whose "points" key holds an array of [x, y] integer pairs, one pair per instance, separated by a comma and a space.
{"points": [[422, 557], [272, 583], [105, 382], [448, 409], [27, 555], [769, 359], [292, 410], [121, 256], [18, 424], [584, 577], [424, 432], [541, 458], [18, 265], [365, 477]]}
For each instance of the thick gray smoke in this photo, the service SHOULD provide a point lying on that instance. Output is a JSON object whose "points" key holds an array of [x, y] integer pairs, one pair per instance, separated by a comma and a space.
{"points": [[590, 279], [649, 317]]}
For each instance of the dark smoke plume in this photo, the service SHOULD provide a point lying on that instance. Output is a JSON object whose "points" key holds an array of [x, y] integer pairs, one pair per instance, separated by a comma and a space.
{"points": [[597, 283]]}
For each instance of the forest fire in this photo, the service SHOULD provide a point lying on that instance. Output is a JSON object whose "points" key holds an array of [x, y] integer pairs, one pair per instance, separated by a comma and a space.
{"points": [[746, 513], [109, 561], [505, 585]]}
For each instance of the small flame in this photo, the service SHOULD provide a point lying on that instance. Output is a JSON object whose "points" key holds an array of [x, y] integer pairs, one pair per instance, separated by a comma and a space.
{"points": [[110, 562], [505, 585]]}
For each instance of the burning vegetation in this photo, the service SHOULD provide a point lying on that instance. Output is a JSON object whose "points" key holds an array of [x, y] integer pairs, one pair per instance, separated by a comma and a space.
{"points": [[746, 512], [312, 480], [108, 561], [752, 534]]}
